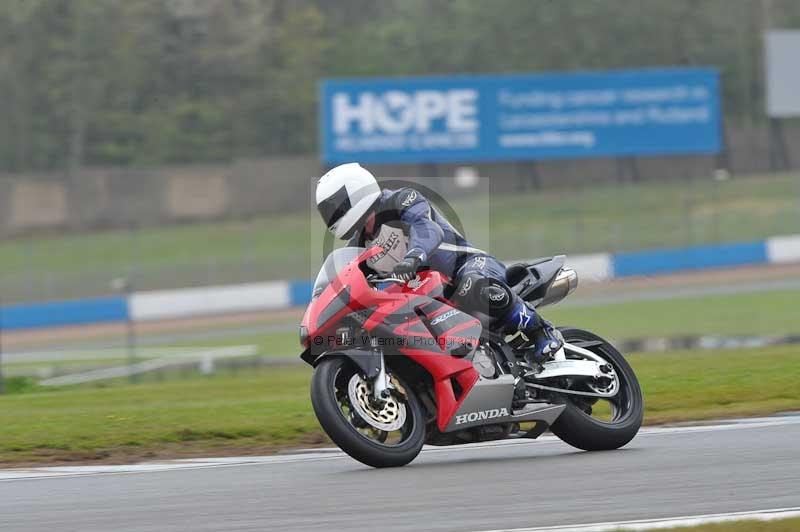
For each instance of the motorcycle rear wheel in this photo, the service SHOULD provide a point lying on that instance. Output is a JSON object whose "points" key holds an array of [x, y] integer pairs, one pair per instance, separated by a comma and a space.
{"points": [[577, 427], [345, 424]]}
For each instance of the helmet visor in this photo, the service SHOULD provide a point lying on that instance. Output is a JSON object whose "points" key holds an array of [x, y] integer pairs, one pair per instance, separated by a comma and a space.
{"points": [[334, 207]]}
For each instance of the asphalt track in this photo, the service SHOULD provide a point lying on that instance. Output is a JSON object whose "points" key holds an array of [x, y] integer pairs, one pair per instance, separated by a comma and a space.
{"points": [[683, 471]]}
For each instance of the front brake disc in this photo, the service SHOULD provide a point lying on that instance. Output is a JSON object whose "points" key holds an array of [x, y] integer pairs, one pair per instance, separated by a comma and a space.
{"points": [[389, 416]]}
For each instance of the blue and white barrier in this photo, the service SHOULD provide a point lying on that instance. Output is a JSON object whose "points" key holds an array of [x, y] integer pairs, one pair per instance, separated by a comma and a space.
{"points": [[595, 268], [782, 249], [188, 302], [58, 313], [654, 262]]}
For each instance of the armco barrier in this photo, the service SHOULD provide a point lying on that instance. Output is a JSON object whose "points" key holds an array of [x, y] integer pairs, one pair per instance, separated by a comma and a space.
{"points": [[172, 304]]}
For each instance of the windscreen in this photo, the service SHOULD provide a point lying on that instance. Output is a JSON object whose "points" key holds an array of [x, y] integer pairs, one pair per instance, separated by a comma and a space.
{"points": [[338, 259]]}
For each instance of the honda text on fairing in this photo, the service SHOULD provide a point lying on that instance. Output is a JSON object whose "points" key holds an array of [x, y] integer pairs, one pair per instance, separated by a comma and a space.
{"points": [[397, 366]]}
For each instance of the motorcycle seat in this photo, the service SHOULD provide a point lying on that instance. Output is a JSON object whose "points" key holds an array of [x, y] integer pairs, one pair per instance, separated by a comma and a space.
{"points": [[531, 280]]}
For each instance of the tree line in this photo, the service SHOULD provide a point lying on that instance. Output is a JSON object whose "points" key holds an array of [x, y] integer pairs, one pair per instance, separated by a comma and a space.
{"points": [[142, 82]]}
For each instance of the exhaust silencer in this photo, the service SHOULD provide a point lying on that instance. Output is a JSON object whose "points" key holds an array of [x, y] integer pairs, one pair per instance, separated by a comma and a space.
{"points": [[563, 285]]}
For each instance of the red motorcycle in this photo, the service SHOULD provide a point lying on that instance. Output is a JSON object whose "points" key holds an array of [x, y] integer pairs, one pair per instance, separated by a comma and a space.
{"points": [[396, 366]]}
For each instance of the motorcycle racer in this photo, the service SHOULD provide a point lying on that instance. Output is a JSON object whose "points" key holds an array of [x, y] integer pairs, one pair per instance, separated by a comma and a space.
{"points": [[415, 235]]}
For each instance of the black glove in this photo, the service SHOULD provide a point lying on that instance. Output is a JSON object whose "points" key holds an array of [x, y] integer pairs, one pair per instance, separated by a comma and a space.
{"points": [[407, 268]]}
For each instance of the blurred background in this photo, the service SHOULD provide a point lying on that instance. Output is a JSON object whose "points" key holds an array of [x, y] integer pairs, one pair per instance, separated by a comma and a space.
{"points": [[124, 120], [150, 149]]}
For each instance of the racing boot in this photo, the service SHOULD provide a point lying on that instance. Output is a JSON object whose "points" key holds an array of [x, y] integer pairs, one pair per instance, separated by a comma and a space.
{"points": [[544, 343], [533, 336]]}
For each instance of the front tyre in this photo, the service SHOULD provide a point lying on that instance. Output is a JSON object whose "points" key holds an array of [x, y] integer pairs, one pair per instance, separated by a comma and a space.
{"points": [[576, 425], [388, 434]]}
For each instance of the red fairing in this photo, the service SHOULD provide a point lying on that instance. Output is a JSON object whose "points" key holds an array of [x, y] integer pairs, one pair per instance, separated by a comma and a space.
{"points": [[432, 332], [350, 278], [442, 369]]}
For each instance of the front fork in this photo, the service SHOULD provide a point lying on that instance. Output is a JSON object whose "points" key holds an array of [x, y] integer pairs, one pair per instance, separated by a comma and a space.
{"points": [[381, 384]]}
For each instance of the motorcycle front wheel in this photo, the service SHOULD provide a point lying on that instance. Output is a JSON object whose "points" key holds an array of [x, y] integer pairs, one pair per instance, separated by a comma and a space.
{"points": [[579, 425], [387, 433]]}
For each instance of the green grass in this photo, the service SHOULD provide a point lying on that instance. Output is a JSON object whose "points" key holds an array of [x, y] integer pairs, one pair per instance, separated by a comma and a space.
{"points": [[266, 409], [687, 385], [781, 525], [600, 218], [759, 313], [219, 414]]}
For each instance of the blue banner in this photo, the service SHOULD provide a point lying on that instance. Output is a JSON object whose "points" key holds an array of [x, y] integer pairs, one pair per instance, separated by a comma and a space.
{"points": [[520, 117]]}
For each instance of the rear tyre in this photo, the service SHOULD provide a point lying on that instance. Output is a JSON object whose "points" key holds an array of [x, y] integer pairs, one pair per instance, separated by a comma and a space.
{"points": [[347, 424], [577, 427]]}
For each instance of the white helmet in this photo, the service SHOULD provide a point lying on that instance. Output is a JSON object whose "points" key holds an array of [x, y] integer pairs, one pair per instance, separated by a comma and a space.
{"points": [[344, 196]]}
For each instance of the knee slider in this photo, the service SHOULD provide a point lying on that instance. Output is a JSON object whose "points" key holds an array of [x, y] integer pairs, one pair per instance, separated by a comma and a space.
{"points": [[467, 293], [496, 298], [483, 294]]}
